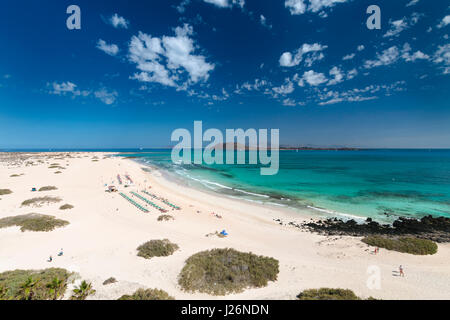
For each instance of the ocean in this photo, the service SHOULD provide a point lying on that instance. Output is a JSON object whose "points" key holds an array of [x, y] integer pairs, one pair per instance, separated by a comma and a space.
{"points": [[375, 183]]}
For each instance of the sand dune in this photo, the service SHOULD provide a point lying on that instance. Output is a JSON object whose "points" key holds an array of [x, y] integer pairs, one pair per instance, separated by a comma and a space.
{"points": [[105, 230]]}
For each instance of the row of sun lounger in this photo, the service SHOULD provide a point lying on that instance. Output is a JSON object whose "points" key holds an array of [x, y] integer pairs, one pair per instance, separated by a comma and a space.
{"points": [[134, 203], [161, 199], [149, 202]]}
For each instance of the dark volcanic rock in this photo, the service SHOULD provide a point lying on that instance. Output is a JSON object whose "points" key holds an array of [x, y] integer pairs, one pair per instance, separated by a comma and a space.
{"points": [[435, 229]]}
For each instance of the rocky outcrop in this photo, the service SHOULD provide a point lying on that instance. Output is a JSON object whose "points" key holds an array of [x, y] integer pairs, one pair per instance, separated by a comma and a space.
{"points": [[431, 228]]}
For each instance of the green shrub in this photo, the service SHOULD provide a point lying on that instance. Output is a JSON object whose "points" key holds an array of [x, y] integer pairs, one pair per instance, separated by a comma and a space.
{"points": [[82, 291], [34, 284], [4, 192], [165, 217], [39, 201], [56, 167], [33, 222], [222, 271], [404, 244], [48, 188], [327, 294], [157, 248], [66, 207], [147, 294], [109, 281], [15, 175]]}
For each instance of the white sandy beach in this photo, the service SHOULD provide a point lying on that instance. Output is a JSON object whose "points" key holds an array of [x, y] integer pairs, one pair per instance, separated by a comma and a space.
{"points": [[105, 230]]}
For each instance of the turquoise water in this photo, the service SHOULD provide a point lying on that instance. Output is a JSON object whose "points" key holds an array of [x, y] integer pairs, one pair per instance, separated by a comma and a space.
{"points": [[382, 184]]}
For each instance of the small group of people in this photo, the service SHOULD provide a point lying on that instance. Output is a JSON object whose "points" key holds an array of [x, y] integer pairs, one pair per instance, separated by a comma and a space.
{"points": [[61, 252], [216, 215]]}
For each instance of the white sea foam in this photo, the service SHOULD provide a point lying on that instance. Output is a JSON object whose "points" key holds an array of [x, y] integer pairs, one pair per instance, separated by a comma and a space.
{"points": [[253, 194], [336, 213]]}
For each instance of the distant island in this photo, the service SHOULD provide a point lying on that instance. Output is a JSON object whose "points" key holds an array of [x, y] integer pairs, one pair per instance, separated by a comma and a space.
{"points": [[318, 148], [241, 147]]}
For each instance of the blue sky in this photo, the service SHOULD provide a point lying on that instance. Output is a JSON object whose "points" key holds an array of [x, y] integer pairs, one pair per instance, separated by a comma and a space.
{"points": [[138, 70]]}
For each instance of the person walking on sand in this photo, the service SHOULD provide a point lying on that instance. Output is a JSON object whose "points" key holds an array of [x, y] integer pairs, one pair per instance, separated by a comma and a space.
{"points": [[50, 259], [400, 269]]}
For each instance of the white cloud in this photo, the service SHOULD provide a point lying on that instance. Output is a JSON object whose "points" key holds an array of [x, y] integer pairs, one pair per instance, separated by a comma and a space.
{"points": [[118, 21], [256, 86], [418, 55], [349, 56], [297, 7], [291, 102], [337, 74], [397, 26], [412, 3], [110, 49], [63, 88], [400, 25], [360, 48], [312, 52], [351, 74], [67, 88], [263, 21], [387, 57], [442, 56], [445, 21], [105, 96], [182, 6], [284, 89], [70, 89], [165, 60], [312, 78], [327, 97], [222, 97], [226, 3]]}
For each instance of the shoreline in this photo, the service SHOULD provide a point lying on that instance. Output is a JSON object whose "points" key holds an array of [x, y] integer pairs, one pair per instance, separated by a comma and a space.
{"points": [[105, 230], [304, 211], [167, 177]]}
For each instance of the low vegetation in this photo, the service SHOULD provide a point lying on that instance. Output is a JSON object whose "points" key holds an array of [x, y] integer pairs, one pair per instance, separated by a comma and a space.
{"points": [[165, 217], [327, 294], [109, 281], [48, 188], [4, 192], [40, 201], [403, 244], [48, 284], [223, 271], [56, 167], [33, 222], [82, 291], [58, 172], [66, 207], [15, 175], [157, 248], [148, 294]]}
